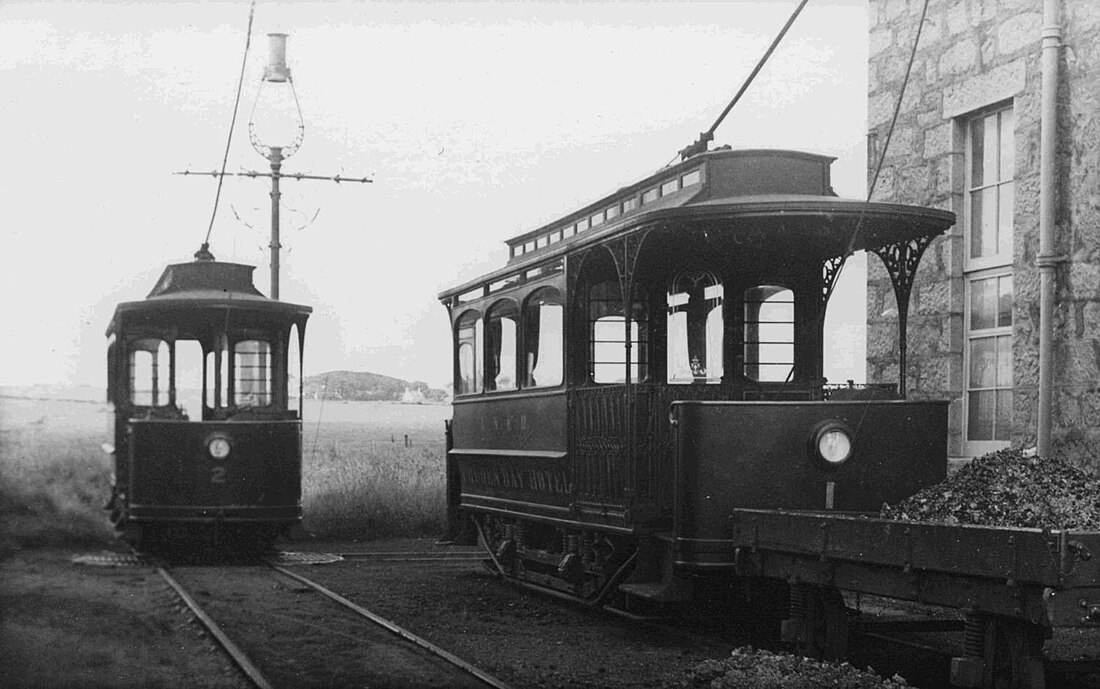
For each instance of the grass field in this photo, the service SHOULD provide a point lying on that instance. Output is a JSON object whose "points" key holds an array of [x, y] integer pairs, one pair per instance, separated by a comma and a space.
{"points": [[369, 470]]}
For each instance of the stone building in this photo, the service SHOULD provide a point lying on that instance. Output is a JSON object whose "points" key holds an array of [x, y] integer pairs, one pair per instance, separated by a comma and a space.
{"points": [[1000, 123]]}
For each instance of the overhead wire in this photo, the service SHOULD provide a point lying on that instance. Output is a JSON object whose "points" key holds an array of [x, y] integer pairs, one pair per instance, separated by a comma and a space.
{"points": [[232, 125], [882, 155]]}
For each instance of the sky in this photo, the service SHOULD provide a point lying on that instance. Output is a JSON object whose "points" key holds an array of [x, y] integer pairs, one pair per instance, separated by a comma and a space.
{"points": [[475, 121]]}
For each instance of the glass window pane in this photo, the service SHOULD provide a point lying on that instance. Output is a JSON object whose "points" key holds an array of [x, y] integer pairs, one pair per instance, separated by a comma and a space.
{"points": [[990, 148], [141, 378], [1003, 426], [211, 380], [252, 373], [469, 343], [1005, 197], [1004, 362], [773, 332], [1004, 301], [1008, 145], [983, 362], [983, 304], [977, 211], [769, 333], [149, 372], [980, 417], [776, 311], [189, 379], [467, 371], [543, 339], [608, 350], [715, 345], [988, 227], [774, 372], [977, 152], [695, 329], [678, 359], [293, 372], [500, 343]]}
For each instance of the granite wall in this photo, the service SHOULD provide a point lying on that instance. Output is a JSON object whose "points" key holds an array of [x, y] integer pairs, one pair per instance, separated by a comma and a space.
{"points": [[974, 54]]}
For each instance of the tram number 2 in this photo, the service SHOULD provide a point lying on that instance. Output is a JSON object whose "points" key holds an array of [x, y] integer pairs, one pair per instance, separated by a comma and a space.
{"points": [[217, 475]]}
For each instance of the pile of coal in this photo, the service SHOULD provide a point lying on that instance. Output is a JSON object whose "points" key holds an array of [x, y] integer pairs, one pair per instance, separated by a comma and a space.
{"points": [[1008, 488], [749, 668]]}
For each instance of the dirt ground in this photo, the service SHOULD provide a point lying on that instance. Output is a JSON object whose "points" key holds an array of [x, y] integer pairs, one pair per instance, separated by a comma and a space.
{"points": [[63, 625], [69, 625]]}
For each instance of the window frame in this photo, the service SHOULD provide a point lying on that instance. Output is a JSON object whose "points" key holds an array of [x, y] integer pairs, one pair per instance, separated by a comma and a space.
{"points": [[638, 361], [714, 308], [506, 304], [792, 373], [527, 347], [995, 266], [477, 343]]}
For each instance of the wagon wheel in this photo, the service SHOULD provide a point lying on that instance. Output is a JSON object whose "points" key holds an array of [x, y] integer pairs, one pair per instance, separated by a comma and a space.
{"points": [[826, 625]]}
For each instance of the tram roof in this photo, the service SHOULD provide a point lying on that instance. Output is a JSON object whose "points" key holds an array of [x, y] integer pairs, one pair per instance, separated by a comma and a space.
{"points": [[786, 192], [204, 284]]}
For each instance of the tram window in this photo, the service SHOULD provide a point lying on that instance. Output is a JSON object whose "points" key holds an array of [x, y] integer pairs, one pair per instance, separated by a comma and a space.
{"points": [[252, 373], [294, 372], [112, 369], [769, 333], [149, 369], [500, 346], [217, 374], [189, 378], [469, 343], [542, 337], [695, 329], [608, 336]]}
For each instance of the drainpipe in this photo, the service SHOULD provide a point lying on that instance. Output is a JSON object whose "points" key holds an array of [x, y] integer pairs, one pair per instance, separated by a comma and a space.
{"points": [[1047, 259]]}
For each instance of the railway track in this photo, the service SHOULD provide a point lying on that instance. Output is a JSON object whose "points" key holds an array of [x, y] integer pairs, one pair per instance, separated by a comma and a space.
{"points": [[916, 649], [279, 634]]}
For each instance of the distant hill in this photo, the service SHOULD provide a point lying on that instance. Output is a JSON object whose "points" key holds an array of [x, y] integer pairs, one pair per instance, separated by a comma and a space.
{"points": [[369, 387]]}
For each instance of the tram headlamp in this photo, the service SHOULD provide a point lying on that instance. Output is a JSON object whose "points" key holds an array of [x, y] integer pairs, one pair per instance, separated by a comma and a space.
{"points": [[830, 443], [218, 446]]}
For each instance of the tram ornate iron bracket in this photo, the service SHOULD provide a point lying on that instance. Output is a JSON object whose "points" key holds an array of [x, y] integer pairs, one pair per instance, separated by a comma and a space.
{"points": [[625, 254], [573, 268], [901, 260], [830, 271]]}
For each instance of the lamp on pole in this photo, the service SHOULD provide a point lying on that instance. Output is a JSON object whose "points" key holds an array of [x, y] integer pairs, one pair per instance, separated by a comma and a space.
{"points": [[281, 132], [276, 136]]}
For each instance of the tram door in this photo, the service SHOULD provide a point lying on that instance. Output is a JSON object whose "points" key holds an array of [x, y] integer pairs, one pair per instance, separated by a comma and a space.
{"points": [[611, 408]]}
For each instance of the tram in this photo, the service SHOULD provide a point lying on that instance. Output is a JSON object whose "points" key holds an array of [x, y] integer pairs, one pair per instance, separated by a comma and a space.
{"points": [[652, 360], [641, 422], [204, 376]]}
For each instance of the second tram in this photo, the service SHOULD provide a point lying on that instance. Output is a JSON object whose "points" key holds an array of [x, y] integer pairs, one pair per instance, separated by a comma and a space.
{"points": [[204, 376]]}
